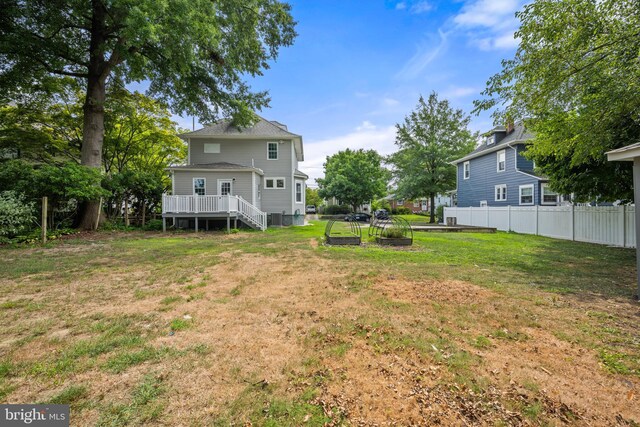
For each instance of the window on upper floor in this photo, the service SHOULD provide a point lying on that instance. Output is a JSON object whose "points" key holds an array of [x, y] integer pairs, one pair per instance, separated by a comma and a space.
{"points": [[400, 202], [549, 197], [211, 148], [466, 170], [272, 150], [490, 139], [416, 203], [501, 160], [199, 186], [274, 183], [526, 194]]}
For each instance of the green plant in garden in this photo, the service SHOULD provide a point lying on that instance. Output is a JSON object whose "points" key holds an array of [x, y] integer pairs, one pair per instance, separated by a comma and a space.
{"points": [[16, 214]]}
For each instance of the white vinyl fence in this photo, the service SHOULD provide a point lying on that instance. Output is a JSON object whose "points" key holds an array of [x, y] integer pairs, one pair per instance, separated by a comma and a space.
{"points": [[607, 225]]}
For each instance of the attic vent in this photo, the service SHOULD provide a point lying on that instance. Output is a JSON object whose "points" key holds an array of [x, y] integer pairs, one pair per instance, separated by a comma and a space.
{"points": [[280, 125]]}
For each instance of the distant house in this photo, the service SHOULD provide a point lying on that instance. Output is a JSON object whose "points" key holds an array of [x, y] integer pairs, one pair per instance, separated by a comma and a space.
{"points": [[497, 174], [420, 205], [249, 175]]}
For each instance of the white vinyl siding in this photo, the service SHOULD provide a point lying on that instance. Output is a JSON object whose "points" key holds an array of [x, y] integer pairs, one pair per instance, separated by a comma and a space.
{"points": [[501, 193], [272, 150], [199, 186], [526, 194], [466, 167], [501, 161]]}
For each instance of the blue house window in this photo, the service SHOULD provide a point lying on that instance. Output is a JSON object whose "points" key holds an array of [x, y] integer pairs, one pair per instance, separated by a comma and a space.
{"points": [[501, 193], [526, 194], [467, 170], [501, 160]]}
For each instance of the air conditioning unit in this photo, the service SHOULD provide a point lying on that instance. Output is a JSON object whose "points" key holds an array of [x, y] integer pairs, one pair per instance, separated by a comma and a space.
{"points": [[276, 219]]}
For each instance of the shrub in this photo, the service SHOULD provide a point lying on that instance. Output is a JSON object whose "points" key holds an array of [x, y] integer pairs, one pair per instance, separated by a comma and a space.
{"points": [[337, 210], [393, 233], [153, 225], [401, 211], [16, 214]]}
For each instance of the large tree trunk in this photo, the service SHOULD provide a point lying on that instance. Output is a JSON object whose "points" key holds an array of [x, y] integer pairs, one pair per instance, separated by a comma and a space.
{"points": [[432, 210], [92, 138], [93, 109]]}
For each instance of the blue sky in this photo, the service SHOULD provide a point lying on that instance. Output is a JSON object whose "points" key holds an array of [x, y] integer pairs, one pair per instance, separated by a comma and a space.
{"points": [[358, 67]]}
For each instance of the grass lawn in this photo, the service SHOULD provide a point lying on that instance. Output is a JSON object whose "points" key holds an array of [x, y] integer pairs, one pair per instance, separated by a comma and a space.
{"points": [[274, 328]]}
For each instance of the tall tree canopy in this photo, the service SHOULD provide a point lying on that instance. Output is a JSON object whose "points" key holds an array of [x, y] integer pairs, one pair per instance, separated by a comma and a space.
{"points": [[432, 136], [354, 177], [576, 78], [195, 54]]}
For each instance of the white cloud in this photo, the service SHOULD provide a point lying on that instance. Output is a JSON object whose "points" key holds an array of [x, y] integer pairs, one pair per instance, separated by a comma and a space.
{"points": [[390, 102], [425, 54], [421, 7], [366, 135], [401, 6], [490, 24], [486, 13], [453, 92]]}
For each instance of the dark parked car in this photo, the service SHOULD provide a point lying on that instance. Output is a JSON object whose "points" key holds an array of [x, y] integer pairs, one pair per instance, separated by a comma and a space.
{"points": [[382, 214], [359, 216]]}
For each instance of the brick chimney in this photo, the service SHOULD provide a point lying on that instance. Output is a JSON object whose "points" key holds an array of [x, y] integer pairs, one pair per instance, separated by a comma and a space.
{"points": [[510, 126]]}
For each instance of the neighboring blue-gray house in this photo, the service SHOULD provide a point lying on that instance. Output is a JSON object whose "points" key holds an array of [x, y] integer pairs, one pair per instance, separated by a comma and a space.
{"points": [[496, 173]]}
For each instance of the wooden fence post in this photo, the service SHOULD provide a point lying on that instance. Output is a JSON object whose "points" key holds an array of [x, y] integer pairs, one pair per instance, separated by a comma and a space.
{"points": [[44, 220]]}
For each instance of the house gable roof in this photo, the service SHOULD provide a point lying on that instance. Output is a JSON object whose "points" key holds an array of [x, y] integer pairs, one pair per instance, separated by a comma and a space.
{"points": [[519, 135], [262, 129]]}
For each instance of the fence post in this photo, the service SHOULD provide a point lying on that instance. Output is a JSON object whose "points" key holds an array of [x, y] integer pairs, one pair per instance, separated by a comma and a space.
{"points": [[44, 220], [487, 208], [509, 218], [624, 225], [537, 220], [573, 222]]}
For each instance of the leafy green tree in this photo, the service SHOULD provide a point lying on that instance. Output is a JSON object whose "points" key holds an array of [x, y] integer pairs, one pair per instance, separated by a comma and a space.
{"points": [[576, 79], [432, 136], [312, 197], [194, 52], [353, 177]]}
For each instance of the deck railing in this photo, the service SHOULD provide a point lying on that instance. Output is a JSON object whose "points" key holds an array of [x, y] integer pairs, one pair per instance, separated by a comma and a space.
{"points": [[215, 204]]}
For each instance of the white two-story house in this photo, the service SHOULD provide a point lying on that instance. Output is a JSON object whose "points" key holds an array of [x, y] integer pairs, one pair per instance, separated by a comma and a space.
{"points": [[239, 174]]}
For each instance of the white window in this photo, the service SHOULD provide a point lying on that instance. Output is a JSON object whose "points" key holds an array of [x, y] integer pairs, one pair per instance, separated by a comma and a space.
{"points": [[526, 194], [416, 203], [298, 192], [211, 148], [549, 197], [400, 202], [467, 170], [274, 183], [501, 160], [490, 139], [272, 150], [483, 203], [501, 193], [199, 185]]}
